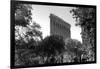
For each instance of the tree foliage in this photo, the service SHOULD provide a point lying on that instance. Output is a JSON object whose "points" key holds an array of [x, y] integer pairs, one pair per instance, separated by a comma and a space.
{"points": [[53, 44], [26, 31], [86, 19], [51, 47], [23, 14], [74, 48], [27, 35]]}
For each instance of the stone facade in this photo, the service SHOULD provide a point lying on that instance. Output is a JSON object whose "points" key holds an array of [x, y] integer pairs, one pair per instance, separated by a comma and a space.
{"points": [[59, 27]]}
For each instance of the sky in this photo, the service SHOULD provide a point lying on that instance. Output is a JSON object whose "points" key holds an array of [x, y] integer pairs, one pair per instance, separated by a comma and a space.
{"points": [[41, 15]]}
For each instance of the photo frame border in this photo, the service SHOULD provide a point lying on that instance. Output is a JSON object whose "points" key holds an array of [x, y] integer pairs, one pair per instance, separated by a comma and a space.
{"points": [[12, 30]]}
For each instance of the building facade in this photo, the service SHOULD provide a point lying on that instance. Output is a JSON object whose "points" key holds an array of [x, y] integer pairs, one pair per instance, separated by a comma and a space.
{"points": [[59, 27]]}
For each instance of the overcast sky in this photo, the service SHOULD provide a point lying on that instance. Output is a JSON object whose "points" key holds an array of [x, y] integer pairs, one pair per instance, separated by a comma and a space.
{"points": [[41, 15]]}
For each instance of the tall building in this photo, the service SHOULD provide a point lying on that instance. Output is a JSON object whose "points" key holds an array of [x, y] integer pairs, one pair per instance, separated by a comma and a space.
{"points": [[59, 27]]}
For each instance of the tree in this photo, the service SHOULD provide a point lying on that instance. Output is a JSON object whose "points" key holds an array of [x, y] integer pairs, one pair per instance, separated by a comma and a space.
{"points": [[23, 14], [27, 35], [86, 19], [26, 30], [51, 47], [74, 48]]}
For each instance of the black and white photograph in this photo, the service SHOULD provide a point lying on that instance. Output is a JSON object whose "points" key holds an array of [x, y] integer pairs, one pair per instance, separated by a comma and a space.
{"points": [[52, 34]]}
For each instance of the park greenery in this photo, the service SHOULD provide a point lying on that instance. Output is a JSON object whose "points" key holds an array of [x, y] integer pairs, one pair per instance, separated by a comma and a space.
{"points": [[31, 49], [86, 19]]}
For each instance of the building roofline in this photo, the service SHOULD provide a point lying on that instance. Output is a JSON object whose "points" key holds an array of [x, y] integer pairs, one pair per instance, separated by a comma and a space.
{"points": [[57, 17]]}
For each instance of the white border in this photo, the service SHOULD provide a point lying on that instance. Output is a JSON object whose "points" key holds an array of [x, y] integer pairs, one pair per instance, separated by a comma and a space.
{"points": [[5, 34]]}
